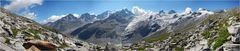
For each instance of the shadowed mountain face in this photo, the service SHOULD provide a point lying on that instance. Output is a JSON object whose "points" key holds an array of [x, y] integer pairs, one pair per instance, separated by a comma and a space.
{"points": [[87, 17], [109, 28], [66, 24]]}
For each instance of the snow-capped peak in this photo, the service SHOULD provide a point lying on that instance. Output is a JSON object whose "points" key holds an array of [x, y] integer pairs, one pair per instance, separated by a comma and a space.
{"points": [[204, 11], [188, 10], [138, 11], [76, 15], [201, 9]]}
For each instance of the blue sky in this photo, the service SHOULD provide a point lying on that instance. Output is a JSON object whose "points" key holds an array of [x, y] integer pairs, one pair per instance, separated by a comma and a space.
{"points": [[48, 8]]}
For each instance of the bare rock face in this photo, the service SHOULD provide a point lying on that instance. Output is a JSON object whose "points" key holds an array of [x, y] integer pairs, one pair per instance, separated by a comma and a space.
{"points": [[2, 39], [234, 30], [231, 47]]}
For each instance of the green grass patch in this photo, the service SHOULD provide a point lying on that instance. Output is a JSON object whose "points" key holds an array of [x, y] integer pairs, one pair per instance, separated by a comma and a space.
{"points": [[14, 31], [50, 28], [222, 38], [223, 34], [34, 31], [63, 45], [179, 49], [160, 38], [206, 34], [141, 49]]}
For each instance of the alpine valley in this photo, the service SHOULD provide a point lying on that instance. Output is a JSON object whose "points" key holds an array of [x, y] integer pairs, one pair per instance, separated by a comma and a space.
{"points": [[125, 30]]}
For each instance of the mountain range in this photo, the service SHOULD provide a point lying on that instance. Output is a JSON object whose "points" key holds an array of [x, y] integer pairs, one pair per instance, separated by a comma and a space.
{"points": [[125, 26]]}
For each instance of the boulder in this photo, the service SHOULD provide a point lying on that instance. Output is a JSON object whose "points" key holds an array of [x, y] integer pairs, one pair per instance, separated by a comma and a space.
{"points": [[233, 30], [60, 37], [41, 45], [19, 46], [2, 39], [33, 48], [4, 47], [231, 47], [70, 43]]}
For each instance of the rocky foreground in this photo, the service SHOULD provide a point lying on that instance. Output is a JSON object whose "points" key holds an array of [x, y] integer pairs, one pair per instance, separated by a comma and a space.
{"points": [[18, 33]]}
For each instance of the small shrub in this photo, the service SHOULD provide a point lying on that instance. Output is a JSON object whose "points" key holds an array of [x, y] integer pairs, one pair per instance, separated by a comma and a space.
{"points": [[7, 41], [63, 45]]}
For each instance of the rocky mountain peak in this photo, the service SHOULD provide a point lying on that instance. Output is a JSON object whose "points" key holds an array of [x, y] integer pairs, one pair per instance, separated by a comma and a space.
{"points": [[161, 12], [87, 17], [104, 15], [69, 17], [171, 12], [125, 12]]}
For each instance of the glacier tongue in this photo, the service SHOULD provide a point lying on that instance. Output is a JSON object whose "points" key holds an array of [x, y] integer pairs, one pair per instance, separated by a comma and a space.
{"points": [[137, 19]]}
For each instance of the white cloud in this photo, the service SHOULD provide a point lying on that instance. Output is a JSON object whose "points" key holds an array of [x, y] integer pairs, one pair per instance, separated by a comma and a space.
{"points": [[16, 5], [138, 11], [53, 18], [30, 15], [22, 7]]}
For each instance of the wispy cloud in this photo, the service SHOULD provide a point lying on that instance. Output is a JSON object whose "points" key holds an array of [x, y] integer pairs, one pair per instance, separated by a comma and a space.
{"points": [[22, 7], [54, 18]]}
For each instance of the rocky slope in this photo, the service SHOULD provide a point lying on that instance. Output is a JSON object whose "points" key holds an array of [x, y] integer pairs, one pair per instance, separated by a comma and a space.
{"points": [[219, 32], [18, 33]]}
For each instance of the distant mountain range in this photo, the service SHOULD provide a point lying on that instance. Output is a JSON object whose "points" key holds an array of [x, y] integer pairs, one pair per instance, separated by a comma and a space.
{"points": [[125, 26]]}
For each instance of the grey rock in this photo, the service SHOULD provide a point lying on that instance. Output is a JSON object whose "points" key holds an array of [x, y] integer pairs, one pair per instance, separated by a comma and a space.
{"points": [[2, 39]]}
